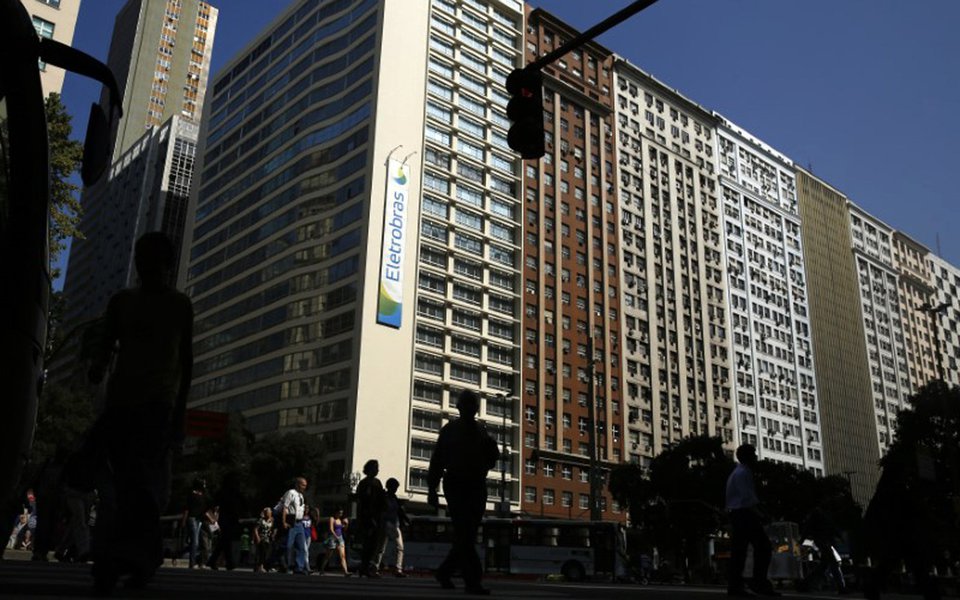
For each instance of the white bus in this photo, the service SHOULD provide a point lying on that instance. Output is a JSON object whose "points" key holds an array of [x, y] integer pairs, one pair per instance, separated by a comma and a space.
{"points": [[574, 549]]}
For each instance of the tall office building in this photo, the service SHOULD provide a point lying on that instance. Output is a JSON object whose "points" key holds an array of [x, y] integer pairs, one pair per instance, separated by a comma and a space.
{"points": [[843, 377], [160, 54], [775, 387], [572, 284], [677, 345], [146, 189], [55, 19], [915, 281], [356, 231], [945, 281]]}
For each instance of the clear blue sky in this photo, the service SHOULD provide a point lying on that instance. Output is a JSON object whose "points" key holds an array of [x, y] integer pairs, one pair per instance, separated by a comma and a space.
{"points": [[866, 92]]}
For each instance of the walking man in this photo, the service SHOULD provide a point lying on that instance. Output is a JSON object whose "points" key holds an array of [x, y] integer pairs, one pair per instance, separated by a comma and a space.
{"points": [[292, 513], [192, 518], [463, 455], [394, 518], [149, 328], [370, 499], [746, 528]]}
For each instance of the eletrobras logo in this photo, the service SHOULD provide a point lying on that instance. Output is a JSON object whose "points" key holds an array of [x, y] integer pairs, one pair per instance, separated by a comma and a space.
{"points": [[390, 304]]}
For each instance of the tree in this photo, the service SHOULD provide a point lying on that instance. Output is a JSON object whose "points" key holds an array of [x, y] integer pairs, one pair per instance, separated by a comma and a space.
{"points": [[278, 458], [679, 502], [63, 416], [266, 467], [65, 157], [914, 514]]}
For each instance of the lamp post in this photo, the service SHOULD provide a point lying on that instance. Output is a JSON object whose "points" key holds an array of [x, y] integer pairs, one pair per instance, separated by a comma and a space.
{"points": [[504, 456]]}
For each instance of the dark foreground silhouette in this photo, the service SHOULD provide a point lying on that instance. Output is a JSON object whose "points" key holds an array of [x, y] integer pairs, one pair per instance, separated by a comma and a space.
{"points": [[462, 457], [147, 332]]}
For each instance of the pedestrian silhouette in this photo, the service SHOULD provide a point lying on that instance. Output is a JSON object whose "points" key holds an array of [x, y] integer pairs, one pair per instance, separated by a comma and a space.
{"points": [[747, 528], [463, 455], [148, 332], [370, 506], [394, 519]]}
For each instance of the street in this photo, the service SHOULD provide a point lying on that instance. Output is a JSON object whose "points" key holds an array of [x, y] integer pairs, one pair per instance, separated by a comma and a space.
{"points": [[23, 578]]}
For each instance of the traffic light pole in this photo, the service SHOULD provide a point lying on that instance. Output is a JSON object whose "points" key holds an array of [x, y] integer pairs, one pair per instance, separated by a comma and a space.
{"points": [[586, 36], [525, 86]]}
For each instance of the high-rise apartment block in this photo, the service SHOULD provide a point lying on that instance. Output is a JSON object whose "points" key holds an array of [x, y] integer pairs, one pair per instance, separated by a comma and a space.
{"points": [[775, 387], [160, 54], [57, 20], [676, 341], [882, 320], [571, 319], [915, 279]]}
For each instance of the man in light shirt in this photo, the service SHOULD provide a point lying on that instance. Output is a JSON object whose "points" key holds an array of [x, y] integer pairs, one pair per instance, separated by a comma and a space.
{"points": [[746, 528], [292, 512]]}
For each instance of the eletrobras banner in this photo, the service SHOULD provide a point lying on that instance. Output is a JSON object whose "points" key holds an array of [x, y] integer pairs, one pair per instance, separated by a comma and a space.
{"points": [[390, 304]]}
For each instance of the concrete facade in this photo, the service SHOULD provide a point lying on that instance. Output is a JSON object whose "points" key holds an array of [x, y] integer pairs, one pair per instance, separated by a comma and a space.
{"points": [[55, 19], [915, 280]]}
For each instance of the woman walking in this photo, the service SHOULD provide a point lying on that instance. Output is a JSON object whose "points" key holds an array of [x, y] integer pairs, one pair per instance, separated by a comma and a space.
{"points": [[337, 525]]}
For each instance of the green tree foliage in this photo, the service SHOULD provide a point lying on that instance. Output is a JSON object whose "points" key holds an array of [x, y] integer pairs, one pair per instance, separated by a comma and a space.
{"points": [[678, 503], [65, 157], [278, 458], [790, 493], [916, 507], [63, 416], [265, 467]]}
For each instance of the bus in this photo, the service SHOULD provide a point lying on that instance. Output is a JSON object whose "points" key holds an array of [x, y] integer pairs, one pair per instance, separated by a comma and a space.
{"points": [[577, 550], [24, 217]]}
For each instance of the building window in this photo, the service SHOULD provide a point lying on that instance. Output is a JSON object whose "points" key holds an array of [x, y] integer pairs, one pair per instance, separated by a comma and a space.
{"points": [[44, 29], [529, 493]]}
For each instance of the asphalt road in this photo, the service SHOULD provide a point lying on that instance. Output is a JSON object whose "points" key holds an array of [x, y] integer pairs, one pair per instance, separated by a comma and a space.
{"points": [[25, 579]]}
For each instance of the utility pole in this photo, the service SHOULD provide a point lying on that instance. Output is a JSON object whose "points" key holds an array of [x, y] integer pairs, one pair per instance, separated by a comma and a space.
{"points": [[595, 475]]}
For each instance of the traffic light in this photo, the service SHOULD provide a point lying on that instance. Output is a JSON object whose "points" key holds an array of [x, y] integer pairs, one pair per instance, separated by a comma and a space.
{"points": [[525, 110]]}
